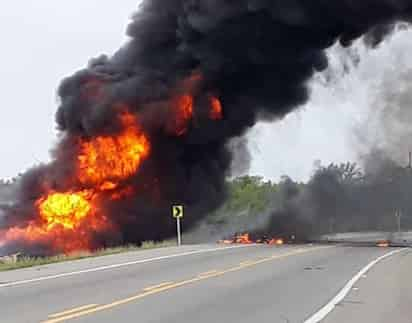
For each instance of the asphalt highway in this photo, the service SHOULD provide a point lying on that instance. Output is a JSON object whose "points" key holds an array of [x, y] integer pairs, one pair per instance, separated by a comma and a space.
{"points": [[209, 283]]}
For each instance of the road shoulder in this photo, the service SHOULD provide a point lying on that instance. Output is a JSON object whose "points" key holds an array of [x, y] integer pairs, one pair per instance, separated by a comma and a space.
{"points": [[383, 295]]}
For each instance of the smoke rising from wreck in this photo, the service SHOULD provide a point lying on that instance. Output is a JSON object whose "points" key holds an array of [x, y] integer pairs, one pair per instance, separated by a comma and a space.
{"points": [[348, 196], [184, 60]]}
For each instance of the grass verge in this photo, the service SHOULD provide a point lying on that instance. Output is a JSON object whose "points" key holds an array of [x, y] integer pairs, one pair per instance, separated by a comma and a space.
{"points": [[27, 261]]}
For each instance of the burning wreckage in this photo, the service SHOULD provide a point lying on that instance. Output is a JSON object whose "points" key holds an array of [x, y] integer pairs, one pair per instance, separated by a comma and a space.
{"points": [[247, 238], [151, 125]]}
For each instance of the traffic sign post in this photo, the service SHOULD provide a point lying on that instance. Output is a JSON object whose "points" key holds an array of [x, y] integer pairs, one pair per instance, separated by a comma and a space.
{"points": [[177, 212], [179, 235]]}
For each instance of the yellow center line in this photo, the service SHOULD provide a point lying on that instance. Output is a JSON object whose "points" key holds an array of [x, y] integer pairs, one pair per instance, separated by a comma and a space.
{"points": [[247, 262], [179, 284], [251, 263], [147, 289], [209, 273], [76, 309]]}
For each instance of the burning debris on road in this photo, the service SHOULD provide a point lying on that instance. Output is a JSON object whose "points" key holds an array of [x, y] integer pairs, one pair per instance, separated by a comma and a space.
{"points": [[246, 238], [151, 125]]}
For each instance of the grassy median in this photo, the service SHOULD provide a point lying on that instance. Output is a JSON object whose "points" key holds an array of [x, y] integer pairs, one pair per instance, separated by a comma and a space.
{"points": [[27, 261]]}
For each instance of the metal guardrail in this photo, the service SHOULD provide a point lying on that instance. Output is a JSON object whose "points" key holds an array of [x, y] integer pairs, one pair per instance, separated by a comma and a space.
{"points": [[393, 238]]}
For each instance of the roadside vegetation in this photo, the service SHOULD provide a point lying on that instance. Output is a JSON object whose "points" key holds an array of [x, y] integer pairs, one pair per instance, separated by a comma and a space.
{"points": [[10, 263]]}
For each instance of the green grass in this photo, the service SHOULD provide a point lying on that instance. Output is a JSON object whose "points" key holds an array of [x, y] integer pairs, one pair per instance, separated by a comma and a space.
{"points": [[26, 261]]}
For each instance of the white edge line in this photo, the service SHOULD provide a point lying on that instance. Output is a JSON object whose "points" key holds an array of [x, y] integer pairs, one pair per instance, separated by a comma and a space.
{"points": [[325, 310], [114, 266]]}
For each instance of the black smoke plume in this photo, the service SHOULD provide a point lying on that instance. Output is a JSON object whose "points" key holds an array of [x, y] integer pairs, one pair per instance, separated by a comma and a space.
{"points": [[343, 198], [256, 56]]}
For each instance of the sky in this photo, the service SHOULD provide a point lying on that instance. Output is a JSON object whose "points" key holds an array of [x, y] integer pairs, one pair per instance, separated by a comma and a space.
{"points": [[44, 41]]}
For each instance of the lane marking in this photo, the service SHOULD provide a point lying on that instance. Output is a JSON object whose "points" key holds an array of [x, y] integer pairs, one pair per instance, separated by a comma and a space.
{"points": [[247, 262], [179, 284], [76, 309], [251, 263], [208, 273], [147, 289], [325, 310], [115, 266]]}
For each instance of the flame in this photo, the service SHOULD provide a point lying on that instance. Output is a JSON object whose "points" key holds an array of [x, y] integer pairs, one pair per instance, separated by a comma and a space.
{"points": [[182, 109], [123, 193], [106, 160], [275, 241], [108, 186], [185, 107], [216, 109], [67, 220], [66, 209], [58, 238], [245, 238], [65, 223], [383, 244]]}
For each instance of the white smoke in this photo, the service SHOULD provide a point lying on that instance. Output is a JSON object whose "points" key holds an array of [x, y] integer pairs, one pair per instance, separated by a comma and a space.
{"points": [[347, 114]]}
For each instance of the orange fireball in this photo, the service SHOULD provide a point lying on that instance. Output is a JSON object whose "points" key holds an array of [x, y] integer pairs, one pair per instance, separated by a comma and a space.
{"points": [[65, 209], [105, 160], [67, 220]]}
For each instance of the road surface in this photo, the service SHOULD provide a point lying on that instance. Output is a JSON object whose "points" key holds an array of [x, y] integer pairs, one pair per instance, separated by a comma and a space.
{"points": [[209, 283]]}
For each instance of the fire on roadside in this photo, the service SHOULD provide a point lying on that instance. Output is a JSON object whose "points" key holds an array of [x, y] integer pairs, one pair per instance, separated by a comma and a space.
{"points": [[277, 242], [246, 238], [383, 244], [68, 219]]}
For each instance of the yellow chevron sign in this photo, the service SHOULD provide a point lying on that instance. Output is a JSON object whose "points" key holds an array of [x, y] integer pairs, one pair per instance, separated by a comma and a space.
{"points": [[177, 211]]}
